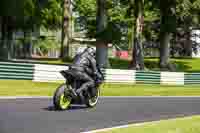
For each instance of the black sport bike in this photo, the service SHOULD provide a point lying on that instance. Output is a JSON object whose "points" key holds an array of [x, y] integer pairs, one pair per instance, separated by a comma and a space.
{"points": [[65, 94]]}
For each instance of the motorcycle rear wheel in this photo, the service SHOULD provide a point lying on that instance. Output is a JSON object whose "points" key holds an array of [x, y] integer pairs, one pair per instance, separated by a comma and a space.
{"points": [[61, 99]]}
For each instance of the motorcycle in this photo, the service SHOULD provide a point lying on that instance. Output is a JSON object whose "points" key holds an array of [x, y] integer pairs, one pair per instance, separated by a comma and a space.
{"points": [[65, 94]]}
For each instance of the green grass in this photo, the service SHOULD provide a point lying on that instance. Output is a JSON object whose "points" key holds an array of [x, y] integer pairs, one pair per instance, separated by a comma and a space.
{"points": [[54, 61], [182, 64], [180, 125], [189, 65], [149, 90], [26, 88], [29, 88], [119, 63]]}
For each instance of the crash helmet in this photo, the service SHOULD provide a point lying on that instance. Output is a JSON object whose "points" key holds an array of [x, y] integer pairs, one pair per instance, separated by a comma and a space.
{"points": [[91, 51], [80, 50]]}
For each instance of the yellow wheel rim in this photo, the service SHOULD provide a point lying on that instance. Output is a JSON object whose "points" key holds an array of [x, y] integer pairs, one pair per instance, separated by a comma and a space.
{"points": [[64, 102]]}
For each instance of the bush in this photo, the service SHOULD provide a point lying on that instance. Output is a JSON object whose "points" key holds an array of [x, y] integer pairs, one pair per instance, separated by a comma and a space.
{"points": [[150, 64], [45, 44], [119, 63], [67, 59]]}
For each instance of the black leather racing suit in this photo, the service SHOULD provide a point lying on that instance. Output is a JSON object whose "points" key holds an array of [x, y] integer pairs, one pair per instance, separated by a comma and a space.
{"points": [[85, 67]]}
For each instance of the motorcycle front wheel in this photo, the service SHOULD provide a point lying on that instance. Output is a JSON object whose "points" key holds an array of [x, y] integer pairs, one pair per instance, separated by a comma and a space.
{"points": [[92, 101], [62, 99]]}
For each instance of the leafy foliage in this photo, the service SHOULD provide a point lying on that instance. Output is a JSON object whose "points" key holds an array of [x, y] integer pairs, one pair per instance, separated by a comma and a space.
{"points": [[188, 12], [85, 12], [45, 44], [118, 22], [51, 14]]}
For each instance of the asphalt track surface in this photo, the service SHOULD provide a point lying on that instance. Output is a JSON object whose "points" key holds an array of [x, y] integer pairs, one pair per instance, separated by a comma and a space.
{"points": [[39, 116]]}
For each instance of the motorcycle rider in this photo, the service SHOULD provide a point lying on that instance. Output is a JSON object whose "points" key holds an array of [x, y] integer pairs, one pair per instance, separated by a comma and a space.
{"points": [[85, 68]]}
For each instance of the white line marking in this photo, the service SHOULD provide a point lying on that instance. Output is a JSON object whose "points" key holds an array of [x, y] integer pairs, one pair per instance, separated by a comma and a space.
{"points": [[132, 125], [116, 127]]}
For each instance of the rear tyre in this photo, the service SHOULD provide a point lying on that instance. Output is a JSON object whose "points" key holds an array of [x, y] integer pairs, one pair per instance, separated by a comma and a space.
{"points": [[92, 101], [62, 99]]}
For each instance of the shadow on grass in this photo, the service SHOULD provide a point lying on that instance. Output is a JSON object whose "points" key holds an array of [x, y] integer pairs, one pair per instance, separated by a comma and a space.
{"points": [[119, 63], [152, 64], [183, 66]]}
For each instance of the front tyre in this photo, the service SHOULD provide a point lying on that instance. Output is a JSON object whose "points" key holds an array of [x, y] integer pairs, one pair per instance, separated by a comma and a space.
{"points": [[92, 101], [61, 98]]}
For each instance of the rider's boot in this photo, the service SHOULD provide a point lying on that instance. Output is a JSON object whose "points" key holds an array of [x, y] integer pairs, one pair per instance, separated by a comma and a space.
{"points": [[93, 91], [73, 92], [80, 94]]}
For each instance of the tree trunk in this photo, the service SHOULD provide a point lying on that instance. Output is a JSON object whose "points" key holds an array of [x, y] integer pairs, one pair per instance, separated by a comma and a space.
{"points": [[6, 39], [102, 54], [9, 44], [64, 51], [27, 44], [168, 26], [164, 49], [137, 54], [3, 36], [101, 45], [188, 42]]}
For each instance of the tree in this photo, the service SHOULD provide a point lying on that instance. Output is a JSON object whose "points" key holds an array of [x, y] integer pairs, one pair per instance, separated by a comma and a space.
{"points": [[85, 20], [50, 14], [117, 23], [25, 15], [187, 12], [66, 29], [101, 44], [116, 27], [168, 26], [9, 22], [137, 54], [6, 38]]}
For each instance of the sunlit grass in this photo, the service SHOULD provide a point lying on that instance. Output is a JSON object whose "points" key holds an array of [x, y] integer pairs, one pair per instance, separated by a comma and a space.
{"points": [[181, 125], [24, 87]]}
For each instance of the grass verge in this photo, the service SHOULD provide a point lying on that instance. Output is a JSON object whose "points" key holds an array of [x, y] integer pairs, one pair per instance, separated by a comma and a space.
{"points": [[29, 88], [180, 125], [26, 88], [182, 64], [149, 90]]}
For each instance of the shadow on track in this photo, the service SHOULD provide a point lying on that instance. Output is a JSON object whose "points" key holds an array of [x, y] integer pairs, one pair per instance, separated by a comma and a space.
{"points": [[73, 107]]}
